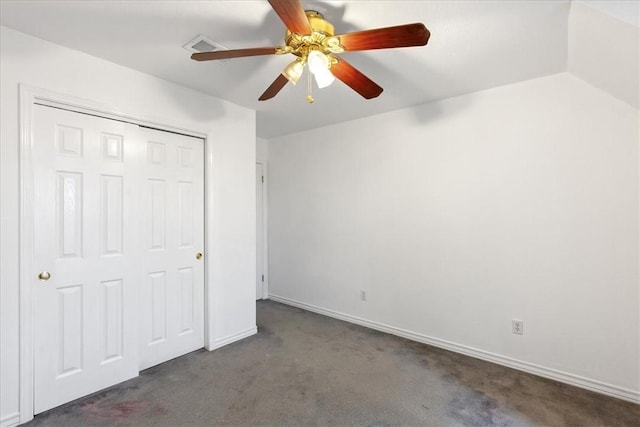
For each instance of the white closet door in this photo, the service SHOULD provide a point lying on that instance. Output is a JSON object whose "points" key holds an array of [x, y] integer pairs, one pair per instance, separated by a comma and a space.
{"points": [[172, 294], [85, 228]]}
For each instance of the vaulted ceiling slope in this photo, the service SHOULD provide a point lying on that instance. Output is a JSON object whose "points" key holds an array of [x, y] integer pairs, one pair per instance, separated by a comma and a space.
{"points": [[475, 45], [604, 47]]}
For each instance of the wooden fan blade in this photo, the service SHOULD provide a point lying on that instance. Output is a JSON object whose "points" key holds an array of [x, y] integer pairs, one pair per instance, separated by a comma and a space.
{"points": [[280, 82], [385, 38], [237, 53], [292, 14], [353, 78]]}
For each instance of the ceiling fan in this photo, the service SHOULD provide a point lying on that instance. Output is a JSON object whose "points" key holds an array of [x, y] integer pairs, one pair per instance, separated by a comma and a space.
{"points": [[312, 40]]}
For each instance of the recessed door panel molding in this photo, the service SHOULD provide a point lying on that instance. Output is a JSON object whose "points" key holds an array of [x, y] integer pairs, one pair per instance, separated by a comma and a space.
{"points": [[69, 140], [112, 214], [70, 323], [112, 147], [156, 214], [158, 307], [185, 288], [112, 321], [69, 214], [185, 157], [185, 214], [156, 153]]}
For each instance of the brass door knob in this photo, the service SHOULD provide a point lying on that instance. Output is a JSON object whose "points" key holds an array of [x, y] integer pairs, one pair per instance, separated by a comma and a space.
{"points": [[199, 255], [45, 275]]}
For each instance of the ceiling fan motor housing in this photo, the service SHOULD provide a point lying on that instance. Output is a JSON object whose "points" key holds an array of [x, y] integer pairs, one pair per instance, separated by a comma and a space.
{"points": [[322, 38]]}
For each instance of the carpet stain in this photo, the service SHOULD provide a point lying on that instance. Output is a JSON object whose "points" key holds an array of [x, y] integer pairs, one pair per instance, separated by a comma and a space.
{"points": [[117, 412], [476, 409]]}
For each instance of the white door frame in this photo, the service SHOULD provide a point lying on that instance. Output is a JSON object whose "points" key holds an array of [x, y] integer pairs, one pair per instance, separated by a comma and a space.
{"points": [[265, 231], [28, 97]]}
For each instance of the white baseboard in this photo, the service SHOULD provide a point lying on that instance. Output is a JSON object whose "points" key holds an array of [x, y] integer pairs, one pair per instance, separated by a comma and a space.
{"points": [[10, 420], [221, 342], [564, 377]]}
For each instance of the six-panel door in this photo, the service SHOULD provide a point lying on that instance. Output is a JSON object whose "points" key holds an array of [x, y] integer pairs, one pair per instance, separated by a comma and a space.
{"points": [[84, 314], [172, 291]]}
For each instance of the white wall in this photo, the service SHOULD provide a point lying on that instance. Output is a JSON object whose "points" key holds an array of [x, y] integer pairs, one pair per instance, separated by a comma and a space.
{"points": [[231, 139], [458, 216], [262, 150]]}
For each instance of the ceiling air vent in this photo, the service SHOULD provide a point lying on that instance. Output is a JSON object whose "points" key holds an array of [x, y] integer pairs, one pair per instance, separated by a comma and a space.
{"points": [[203, 44]]}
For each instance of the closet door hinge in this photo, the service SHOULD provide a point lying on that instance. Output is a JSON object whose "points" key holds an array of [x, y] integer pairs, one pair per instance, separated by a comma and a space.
{"points": [[263, 277], [263, 179]]}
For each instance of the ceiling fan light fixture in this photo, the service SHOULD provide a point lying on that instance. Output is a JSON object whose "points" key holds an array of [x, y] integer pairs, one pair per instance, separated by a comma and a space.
{"points": [[324, 78], [319, 66], [318, 61], [294, 71]]}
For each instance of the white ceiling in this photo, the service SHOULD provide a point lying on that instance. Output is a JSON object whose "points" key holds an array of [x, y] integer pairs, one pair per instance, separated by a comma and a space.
{"points": [[474, 45]]}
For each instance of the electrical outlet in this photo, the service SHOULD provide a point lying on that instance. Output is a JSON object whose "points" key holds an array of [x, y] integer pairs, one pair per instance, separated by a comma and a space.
{"points": [[517, 326], [363, 296]]}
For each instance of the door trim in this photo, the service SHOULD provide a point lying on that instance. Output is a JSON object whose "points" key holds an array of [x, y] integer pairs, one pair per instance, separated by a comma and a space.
{"points": [[265, 230], [28, 96]]}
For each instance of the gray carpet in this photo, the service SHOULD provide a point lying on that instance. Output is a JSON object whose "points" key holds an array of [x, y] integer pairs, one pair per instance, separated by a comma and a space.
{"points": [[306, 369]]}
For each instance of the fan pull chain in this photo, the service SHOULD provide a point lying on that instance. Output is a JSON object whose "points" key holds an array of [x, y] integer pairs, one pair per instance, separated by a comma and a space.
{"points": [[309, 98]]}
